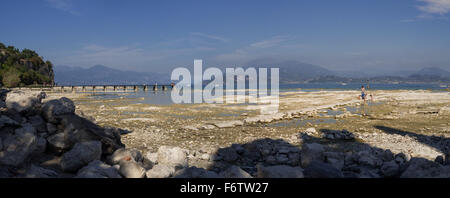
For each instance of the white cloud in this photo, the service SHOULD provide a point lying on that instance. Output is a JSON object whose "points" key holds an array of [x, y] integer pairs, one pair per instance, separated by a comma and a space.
{"points": [[64, 5], [440, 7], [430, 9], [208, 36], [269, 42]]}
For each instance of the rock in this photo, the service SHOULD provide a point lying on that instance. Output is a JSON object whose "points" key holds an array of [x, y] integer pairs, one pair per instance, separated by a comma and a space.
{"points": [[402, 158], [281, 158], [367, 159], [41, 145], [52, 109], [57, 143], [21, 101], [80, 155], [194, 172], [172, 156], [17, 147], [38, 123], [423, 168], [311, 152], [160, 171], [131, 169], [78, 129], [228, 154], [447, 159], [387, 155], [311, 131], [127, 155], [338, 135], [6, 121], [279, 171], [51, 128], [3, 94], [338, 163], [440, 160], [39, 172], [228, 124], [317, 169], [390, 169], [235, 172], [207, 127], [294, 159], [151, 157], [98, 169]]}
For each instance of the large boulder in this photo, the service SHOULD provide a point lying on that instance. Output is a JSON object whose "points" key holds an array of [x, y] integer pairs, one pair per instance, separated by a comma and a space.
{"points": [[160, 171], [21, 101], [98, 169], [78, 129], [228, 154], [57, 143], [80, 155], [6, 121], [38, 123], [311, 152], [41, 145], [390, 169], [131, 169], [279, 171], [317, 169], [423, 168], [18, 147], [172, 156], [51, 110]]}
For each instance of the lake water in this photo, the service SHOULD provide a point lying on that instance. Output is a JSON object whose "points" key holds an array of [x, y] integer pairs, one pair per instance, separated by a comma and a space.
{"points": [[164, 97]]}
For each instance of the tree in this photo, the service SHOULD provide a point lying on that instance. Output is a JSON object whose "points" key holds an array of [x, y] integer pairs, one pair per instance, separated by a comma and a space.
{"points": [[11, 78]]}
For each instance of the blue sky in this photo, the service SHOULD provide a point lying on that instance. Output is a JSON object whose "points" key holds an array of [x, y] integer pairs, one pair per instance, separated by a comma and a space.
{"points": [[158, 35]]}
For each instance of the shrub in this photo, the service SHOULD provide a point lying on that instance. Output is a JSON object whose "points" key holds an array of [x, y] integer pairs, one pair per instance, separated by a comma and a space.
{"points": [[11, 78]]}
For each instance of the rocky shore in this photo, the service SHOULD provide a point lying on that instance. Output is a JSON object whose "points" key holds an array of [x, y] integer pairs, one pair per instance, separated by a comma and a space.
{"points": [[48, 137]]}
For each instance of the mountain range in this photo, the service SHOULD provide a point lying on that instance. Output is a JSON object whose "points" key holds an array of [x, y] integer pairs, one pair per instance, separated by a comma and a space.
{"points": [[102, 75], [290, 72]]}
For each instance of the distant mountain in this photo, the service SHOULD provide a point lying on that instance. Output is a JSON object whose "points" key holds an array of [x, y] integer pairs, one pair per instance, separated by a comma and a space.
{"points": [[431, 71], [425, 75], [102, 75], [293, 71]]}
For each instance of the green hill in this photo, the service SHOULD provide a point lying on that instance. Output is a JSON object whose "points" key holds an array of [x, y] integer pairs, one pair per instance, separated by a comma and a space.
{"points": [[22, 68]]}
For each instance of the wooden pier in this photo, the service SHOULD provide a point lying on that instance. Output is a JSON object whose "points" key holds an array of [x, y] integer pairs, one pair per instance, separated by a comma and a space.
{"points": [[98, 88]]}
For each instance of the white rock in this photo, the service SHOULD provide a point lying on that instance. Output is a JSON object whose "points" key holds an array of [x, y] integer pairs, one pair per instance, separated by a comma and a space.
{"points": [[172, 156], [23, 101], [160, 171], [131, 169]]}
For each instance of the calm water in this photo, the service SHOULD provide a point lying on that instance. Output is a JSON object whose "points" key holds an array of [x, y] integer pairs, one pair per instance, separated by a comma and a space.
{"points": [[163, 97]]}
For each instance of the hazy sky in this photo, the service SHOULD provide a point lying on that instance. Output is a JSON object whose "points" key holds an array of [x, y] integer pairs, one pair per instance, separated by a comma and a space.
{"points": [[157, 35]]}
